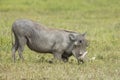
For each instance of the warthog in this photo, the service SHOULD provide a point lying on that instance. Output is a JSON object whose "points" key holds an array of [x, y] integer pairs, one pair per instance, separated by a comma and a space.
{"points": [[61, 43]]}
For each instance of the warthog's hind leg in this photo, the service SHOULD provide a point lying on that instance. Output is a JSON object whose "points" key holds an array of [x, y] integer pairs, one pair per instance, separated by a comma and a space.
{"points": [[14, 48], [22, 42]]}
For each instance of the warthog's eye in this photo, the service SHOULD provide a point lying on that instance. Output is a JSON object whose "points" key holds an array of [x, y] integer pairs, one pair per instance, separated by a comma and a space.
{"points": [[80, 41]]}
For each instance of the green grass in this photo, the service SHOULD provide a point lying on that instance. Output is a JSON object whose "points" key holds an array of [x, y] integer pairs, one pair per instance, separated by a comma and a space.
{"points": [[99, 18]]}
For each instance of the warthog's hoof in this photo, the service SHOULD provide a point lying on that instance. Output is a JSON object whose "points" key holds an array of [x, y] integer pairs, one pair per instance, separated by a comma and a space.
{"points": [[50, 61]]}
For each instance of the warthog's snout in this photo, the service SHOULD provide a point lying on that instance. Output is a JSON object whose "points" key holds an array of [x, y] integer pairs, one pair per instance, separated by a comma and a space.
{"points": [[81, 58]]}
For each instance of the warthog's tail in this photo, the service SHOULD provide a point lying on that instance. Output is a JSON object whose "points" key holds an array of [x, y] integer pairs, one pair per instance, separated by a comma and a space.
{"points": [[12, 37]]}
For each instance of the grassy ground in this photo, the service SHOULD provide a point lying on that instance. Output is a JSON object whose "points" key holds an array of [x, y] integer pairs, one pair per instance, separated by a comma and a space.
{"points": [[99, 18]]}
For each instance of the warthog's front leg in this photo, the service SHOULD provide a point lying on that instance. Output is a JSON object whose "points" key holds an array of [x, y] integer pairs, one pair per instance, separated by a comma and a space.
{"points": [[57, 57], [65, 59]]}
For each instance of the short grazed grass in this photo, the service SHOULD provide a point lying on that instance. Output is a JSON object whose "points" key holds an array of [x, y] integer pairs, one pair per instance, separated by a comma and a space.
{"points": [[99, 18]]}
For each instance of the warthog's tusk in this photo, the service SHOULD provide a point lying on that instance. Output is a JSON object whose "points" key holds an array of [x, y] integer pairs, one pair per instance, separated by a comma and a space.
{"points": [[83, 55]]}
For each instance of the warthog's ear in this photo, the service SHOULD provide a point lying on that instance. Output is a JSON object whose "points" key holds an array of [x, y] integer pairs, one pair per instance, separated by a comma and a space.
{"points": [[72, 37], [84, 34]]}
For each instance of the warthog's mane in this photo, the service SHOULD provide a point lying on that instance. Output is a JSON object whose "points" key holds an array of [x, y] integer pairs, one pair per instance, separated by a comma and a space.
{"points": [[69, 31]]}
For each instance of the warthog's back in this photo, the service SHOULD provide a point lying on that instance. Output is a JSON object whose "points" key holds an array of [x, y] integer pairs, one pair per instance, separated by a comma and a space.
{"points": [[40, 38]]}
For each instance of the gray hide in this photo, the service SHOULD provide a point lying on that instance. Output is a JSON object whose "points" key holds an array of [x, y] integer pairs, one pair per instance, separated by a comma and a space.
{"points": [[61, 43]]}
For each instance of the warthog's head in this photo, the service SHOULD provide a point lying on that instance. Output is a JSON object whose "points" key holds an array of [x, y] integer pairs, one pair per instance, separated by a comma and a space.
{"points": [[79, 48]]}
